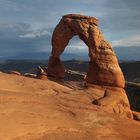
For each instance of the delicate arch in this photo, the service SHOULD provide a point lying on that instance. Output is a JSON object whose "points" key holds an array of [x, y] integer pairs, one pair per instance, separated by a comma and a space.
{"points": [[103, 66]]}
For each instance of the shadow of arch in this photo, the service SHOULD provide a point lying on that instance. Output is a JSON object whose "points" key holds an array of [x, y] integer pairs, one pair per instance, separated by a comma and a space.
{"points": [[103, 67]]}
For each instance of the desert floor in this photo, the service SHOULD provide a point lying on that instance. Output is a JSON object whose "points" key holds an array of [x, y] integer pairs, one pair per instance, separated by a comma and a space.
{"points": [[33, 109]]}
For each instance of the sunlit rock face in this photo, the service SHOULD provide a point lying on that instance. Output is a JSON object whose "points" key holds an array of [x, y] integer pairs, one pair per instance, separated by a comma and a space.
{"points": [[103, 67]]}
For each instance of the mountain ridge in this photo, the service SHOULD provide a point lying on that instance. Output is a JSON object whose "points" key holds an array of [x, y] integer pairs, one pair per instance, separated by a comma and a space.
{"points": [[123, 54]]}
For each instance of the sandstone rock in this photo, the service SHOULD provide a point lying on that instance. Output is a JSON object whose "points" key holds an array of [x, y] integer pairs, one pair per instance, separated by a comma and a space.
{"points": [[115, 101], [30, 75], [43, 77], [41, 72], [103, 69], [32, 109], [103, 66], [136, 116], [15, 72], [56, 68]]}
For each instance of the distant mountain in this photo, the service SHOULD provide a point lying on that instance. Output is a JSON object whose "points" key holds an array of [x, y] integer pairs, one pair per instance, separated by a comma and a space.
{"points": [[44, 56], [131, 69], [28, 56], [123, 53], [128, 53]]}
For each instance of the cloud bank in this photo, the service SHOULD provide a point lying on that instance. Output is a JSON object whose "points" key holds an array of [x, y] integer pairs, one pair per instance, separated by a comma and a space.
{"points": [[26, 26]]}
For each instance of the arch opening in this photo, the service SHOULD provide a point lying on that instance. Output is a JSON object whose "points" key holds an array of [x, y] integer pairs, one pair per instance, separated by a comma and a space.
{"points": [[75, 50]]}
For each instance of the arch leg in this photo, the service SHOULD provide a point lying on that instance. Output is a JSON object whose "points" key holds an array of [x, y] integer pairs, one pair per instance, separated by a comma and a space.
{"points": [[60, 39]]}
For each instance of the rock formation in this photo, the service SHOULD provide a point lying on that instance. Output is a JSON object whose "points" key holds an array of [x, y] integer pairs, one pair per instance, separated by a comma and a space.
{"points": [[42, 72], [32, 109], [103, 69], [114, 100], [14, 72], [103, 66]]}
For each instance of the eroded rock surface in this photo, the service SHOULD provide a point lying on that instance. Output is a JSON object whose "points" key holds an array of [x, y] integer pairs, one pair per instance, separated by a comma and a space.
{"points": [[103, 66], [15, 72], [32, 109], [42, 72], [103, 69]]}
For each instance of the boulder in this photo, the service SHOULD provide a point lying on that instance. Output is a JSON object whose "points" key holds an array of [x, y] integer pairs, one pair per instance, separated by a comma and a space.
{"points": [[41, 72], [14, 72], [114, 100], [31, 75]]}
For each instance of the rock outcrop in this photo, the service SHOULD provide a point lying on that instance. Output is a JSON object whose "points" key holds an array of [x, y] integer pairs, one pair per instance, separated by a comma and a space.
{"points": [[42, 72], [114, 100], [103, 69], [32, 109], [103, 66], [14, 72], [55, 68]]}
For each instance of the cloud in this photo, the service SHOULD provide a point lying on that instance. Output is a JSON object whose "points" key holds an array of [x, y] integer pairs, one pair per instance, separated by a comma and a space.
{"points": [[36, 33], [132, 41], [21, 38], [27, 25], [76, 46]]}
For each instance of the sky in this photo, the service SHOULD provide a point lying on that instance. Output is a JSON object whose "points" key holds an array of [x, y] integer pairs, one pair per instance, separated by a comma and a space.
{"points": [[26, 26]]}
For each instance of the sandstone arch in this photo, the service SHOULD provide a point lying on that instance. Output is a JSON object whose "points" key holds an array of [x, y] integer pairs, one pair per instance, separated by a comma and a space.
{"points": [[103, 66]]}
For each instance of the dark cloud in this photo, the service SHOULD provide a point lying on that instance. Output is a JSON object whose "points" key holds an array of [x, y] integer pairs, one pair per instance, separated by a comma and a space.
{"points": [[20, 38], [27, 25]]}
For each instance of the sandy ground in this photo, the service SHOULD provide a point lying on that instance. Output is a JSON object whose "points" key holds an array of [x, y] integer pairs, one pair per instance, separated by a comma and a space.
{"points": [[32, 109]]}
